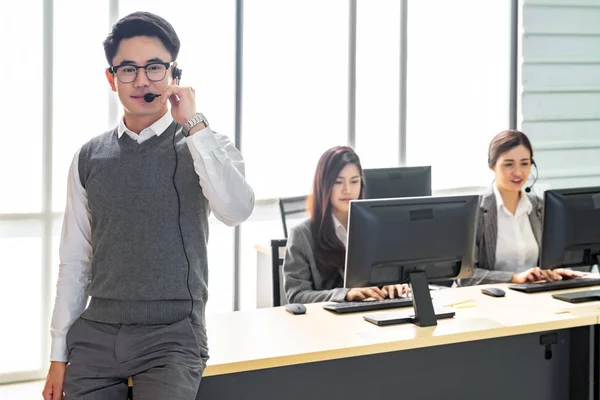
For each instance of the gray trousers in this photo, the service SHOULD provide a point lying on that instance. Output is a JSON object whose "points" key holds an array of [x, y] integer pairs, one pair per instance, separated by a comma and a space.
{"points": [[165, 361]]}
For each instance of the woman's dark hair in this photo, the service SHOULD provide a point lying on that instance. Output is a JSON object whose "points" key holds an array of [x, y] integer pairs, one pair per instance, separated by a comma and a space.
{"points": [[506, 141], [329, 251], [141, 23]]}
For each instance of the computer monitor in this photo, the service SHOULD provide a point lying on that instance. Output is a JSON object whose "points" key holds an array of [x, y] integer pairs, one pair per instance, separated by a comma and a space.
{"points": [[411, 240], [571, 228], [387, 183]]}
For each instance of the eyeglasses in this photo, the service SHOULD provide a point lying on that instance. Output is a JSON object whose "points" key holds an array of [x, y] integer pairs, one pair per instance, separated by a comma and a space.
{"points": [[127, 73]]}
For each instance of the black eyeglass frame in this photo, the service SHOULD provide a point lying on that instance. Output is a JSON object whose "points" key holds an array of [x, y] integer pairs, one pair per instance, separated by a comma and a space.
{"points": [[114, 68]]}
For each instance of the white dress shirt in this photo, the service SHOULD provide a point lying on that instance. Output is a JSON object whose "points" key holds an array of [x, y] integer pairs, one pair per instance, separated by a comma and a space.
{"points": [[516, 248], [340, 231], [220, 169]]}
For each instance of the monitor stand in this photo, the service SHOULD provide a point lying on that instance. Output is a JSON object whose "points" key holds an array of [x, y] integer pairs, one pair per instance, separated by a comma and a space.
{"points": [[595, 261], [424, 312]]}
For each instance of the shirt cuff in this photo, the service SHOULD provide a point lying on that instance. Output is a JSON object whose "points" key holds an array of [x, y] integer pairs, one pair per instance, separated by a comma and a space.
{"points": [[339, 294], [58, 349], [203, 139]]}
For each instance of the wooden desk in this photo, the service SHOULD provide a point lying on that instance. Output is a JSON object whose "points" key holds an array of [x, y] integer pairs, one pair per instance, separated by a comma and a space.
{"points": [[490, 351]]}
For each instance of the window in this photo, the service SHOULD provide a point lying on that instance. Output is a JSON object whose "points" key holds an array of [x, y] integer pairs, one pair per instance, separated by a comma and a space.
{"points": [[81, 91], [458, 87], [378, 82], [21, 296], [295, 91], [295, 106], [21, 175], [21, 172]]}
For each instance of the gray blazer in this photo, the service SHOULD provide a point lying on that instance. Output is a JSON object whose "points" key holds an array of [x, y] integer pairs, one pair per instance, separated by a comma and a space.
{"points": [[487, 238], [303, 281]]}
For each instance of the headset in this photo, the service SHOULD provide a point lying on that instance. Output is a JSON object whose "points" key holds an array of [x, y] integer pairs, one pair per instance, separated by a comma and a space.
{"points": [[149, 98], [176, 74], [535, 178]]}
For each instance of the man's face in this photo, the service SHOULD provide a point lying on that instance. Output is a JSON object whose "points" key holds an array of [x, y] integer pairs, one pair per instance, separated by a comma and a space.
{"points": [[140, 51]]}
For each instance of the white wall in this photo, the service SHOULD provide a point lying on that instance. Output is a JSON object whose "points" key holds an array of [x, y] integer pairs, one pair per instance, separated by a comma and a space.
{"points": [[560, 101]]}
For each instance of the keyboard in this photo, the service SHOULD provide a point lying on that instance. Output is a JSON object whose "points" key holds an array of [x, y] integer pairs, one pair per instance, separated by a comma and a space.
{"points": [[555, 285], [358, 306]]}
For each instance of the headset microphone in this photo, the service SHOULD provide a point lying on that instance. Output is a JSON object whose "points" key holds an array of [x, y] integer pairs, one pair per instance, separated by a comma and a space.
{"points": [[528, 189], [149, 97]]}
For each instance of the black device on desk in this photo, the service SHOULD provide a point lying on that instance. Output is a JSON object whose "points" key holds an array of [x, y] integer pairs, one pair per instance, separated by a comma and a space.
{"points": [[579, 297], [385, 183], [358, 306], [411, 240], [570, 237]]}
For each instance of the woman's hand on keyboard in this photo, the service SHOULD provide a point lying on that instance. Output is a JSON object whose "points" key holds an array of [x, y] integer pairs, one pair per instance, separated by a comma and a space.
{"points": [[393, 291], [536, 274], [568, 273], [359, 294]]}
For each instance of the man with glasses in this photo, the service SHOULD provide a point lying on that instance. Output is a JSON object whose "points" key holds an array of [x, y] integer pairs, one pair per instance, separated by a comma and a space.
{"points": [[135, 231]]}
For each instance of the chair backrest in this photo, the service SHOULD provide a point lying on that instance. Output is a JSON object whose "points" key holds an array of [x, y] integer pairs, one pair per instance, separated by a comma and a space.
{"points": [[279, 298], [292, 206]]}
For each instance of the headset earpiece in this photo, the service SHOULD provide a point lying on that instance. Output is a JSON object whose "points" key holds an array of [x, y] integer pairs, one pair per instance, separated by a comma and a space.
{"points": [[176, 74]]}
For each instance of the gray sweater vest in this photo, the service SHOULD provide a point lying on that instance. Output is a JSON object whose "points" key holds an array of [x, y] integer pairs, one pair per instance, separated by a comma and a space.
{"points": [[139, 269]]}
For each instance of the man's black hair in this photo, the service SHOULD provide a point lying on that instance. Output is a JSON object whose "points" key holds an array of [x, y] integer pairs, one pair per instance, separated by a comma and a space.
{"points": [[141, 23]]}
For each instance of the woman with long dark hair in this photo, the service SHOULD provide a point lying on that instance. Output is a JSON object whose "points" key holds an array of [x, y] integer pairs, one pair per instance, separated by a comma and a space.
{"points": [[314, 261]]}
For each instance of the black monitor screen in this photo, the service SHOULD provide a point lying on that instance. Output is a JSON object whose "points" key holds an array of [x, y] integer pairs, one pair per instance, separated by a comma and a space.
{"points": [[389, 239], [571, 228], [386, 183]]}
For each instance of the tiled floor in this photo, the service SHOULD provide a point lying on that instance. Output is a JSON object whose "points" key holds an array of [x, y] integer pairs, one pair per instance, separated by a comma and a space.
{"points": [[22, 391]]}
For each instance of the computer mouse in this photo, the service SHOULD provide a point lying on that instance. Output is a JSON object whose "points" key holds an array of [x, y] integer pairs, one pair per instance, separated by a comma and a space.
{"points": [[296, 308], [493, 291]]}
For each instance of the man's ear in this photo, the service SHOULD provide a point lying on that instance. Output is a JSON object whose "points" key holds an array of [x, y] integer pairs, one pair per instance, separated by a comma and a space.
{"points": [[111, 80]]}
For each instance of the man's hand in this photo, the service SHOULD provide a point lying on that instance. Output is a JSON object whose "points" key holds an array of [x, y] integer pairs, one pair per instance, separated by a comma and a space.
{"points": [[183, 104], [53, 389]]}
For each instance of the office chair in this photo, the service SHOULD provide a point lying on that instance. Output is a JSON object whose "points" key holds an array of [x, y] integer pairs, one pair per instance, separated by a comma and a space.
{"points": [[291, 206], [277, 272]]}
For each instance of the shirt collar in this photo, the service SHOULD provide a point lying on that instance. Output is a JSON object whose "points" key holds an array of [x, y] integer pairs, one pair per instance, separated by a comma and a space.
{"points": [[524, 206], [157, 128], [340, 231], [336, 223]]}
